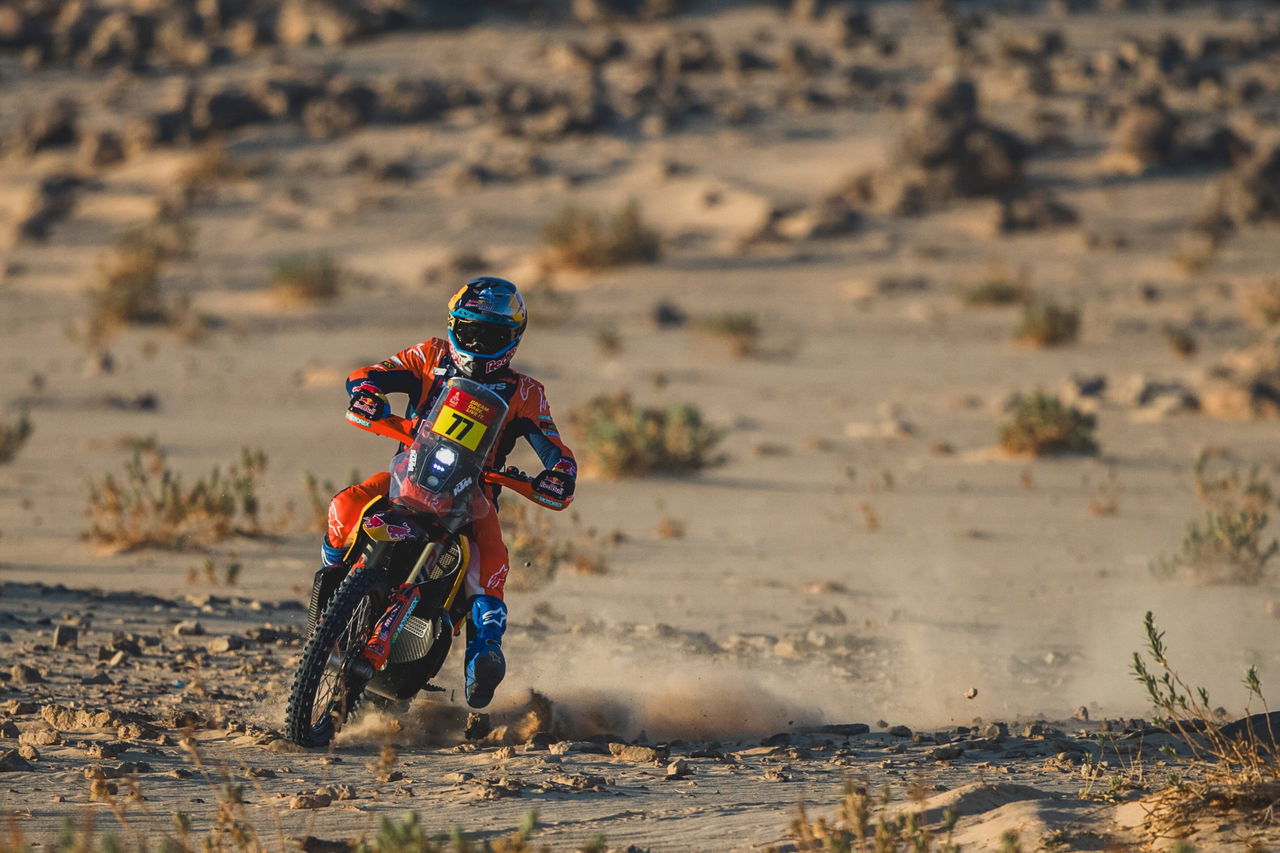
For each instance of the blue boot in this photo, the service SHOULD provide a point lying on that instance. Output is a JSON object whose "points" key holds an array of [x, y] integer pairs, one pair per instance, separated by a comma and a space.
{"points": [[485, 664]]}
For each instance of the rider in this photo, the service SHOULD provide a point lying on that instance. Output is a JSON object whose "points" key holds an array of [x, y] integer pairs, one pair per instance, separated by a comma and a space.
{"points": [[486, 320]]}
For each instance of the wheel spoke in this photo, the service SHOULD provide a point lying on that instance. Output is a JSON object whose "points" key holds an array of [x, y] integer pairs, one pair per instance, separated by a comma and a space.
{"points": [[331, 692]]}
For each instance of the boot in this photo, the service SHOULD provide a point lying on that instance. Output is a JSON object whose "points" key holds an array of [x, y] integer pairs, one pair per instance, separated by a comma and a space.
{"points": [[485, 664]]}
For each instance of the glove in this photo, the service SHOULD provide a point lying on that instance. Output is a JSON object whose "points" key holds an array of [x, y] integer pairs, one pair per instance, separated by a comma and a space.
{"points": [[556, 483], [368, 402]]}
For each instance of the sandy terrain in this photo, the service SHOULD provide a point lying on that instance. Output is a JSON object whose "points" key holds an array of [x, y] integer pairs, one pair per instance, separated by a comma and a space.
{"points": [[866, 553]]}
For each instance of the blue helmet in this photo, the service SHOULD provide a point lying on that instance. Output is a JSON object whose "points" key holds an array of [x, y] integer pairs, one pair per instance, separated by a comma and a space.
{"points": [[486, 320]]}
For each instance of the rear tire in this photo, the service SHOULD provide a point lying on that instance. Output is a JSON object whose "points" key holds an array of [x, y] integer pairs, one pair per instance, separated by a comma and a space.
{"points": [[324, 693]]}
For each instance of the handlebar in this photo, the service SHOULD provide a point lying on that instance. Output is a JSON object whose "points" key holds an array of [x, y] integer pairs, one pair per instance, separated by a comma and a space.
{"points": [[403, 429]]}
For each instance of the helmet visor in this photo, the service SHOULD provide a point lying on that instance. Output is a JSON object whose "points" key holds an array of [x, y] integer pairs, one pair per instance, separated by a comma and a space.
{"points": [[482, 338]]}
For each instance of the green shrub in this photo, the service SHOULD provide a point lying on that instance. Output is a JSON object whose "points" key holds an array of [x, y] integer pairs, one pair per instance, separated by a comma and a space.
{"points": [[1046, 324], [1043, 426], [151, 507], [306, 278], [740, 330], [1227, 545], [584, 239], [622, 439]]}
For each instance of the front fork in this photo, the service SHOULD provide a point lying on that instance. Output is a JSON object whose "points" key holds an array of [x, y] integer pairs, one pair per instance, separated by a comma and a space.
{"points": [[376, 652]]}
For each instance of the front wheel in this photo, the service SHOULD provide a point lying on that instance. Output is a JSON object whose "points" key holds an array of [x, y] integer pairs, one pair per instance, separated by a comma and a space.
{"points": [[325, 690]]}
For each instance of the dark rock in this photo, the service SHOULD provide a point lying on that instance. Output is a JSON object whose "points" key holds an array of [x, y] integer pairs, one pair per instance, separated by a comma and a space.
{"points": [[51, 126], [20, 673], [65, 637], [1034, 211], [12, 762], [844, 729], [478, 726], [228, 109], [900, 731], [1260, 728]]}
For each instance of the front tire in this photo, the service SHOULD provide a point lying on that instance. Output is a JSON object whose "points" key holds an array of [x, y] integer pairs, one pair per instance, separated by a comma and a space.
{"points": [[324, 691]]}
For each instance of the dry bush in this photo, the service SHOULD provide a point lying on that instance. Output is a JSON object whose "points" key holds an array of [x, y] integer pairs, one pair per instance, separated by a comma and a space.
{"points": [[128, 290], [537, 554], [151, 507], [740, 330], [1047, 324], [863, 823], [997, 288], [584, 239], [306, 278], [14, 434], [1042, 425], [622, 439], [1228, 545], [1235, 768]]}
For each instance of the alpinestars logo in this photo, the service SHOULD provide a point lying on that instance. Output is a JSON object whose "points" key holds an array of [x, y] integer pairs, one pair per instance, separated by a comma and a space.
{"points": [[497, 618]]}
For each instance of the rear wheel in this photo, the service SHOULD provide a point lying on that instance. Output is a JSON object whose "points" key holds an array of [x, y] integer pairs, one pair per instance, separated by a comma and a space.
{"points": [[325, 690]]}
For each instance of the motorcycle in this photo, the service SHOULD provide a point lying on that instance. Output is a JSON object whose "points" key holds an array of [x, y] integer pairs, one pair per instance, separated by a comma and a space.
{"points": [[386, 626]]}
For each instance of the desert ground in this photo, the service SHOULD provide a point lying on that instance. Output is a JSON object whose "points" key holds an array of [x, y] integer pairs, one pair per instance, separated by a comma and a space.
{"points": [[880, 229]]}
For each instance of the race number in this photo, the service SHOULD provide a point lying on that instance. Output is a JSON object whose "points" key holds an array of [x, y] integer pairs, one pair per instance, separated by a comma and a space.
{"points": [[463, 419]]}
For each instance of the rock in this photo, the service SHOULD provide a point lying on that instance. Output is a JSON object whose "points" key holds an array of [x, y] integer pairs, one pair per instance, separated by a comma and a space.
{"points": [[310, 801], [1252, 192], [949, 752], [636, 753], [29, 752], [773, 775], [12, 762], [20, 673], [971, 693], [51, 126], [40, 737], [188, 628], [458, 777], [900, 731], [227, 109], [1081, 713], [103, 749], [51, 201], [220, 645], [678, 769], [65, 637], [478, 727], [68, 719], [995, 732], [1034, 211], [1145, 136], [19, 707], [844, 729], [539, 741], [8, 729]]}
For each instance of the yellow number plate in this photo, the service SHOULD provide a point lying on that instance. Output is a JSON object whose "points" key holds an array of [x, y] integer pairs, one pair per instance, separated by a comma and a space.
{"points": [[454, 425]]}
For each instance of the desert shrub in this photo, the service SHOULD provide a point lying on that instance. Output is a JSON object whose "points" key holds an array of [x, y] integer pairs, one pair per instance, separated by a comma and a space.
{"points": [[1228, 544], [1047, 324], [13, 434], [863, 822], [1042, 425], [996, 288], [151, 506], [622, 439], [1234, 768], [538, 553], [128, 290], [740, 330], [306, 278], [584, 239]]}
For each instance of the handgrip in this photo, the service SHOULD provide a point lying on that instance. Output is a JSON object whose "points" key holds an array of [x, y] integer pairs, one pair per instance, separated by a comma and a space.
{"points": [[523, 486]]}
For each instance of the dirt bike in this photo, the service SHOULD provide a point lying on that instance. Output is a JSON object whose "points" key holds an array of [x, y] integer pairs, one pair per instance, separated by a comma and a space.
{"points": [[386, 626]]}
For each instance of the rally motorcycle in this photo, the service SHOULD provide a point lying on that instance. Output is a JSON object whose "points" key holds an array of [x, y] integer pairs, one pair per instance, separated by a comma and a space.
{"points": [[386, 626]]}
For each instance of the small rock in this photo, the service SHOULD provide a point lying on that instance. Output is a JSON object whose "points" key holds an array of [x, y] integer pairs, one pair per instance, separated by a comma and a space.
{"points": [[540, 740], [899, 731], [8, 729], [633, 752], [995, 731], [776, 776], [971, 693], [103, 749], [949, 752], [65, 637], [40, 737], [1081, 713], [20, 673], [29, 752], [478, 727], [678, 769], [12, 762], [458, 778], [560, 747], [220, 645], [310, 801], [188, 628]]}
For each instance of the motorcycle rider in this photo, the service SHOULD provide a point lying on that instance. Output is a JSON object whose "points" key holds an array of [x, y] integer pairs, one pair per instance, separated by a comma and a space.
{"points": [[486, 321]]}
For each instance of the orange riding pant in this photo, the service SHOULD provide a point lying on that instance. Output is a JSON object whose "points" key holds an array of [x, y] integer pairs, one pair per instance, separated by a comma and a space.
{"points": [[488, 565]]}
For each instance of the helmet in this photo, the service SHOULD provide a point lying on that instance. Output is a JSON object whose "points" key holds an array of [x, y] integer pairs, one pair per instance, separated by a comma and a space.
{"points": [[486, 319]]}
